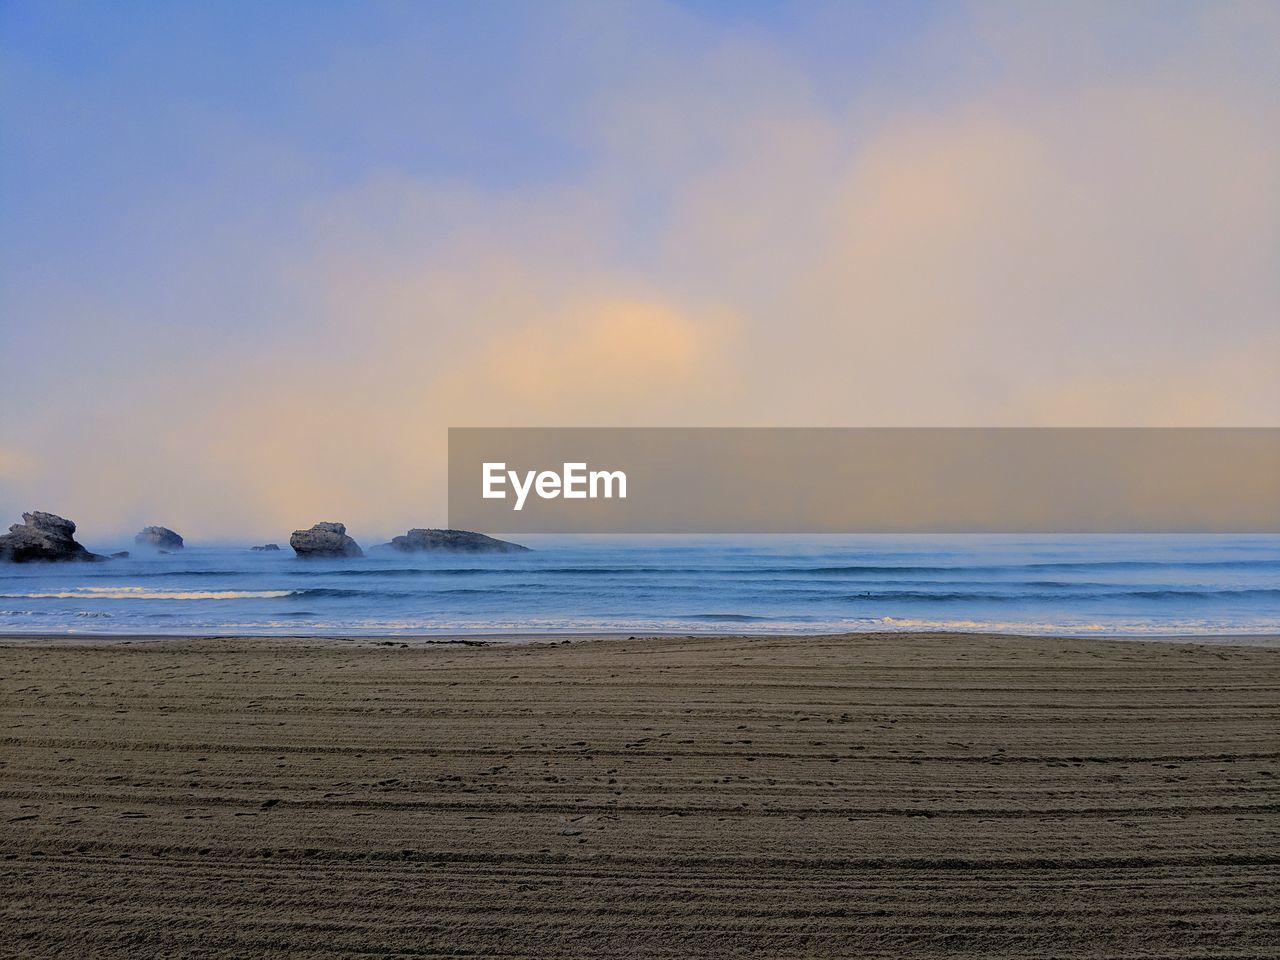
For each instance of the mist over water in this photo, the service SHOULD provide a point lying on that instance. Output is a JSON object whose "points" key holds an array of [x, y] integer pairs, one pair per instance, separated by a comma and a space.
{"points": [[1087, 585]]}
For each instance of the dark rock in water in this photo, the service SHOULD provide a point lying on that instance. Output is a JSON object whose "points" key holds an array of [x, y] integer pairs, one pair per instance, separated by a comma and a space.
{"points": [[325, 540], [162, 538], [120, 555], [265, 547], [42, 536], [452, 541]]}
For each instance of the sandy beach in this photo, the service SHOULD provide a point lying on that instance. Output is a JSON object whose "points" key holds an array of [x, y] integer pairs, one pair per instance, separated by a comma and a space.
{"points": [[870, 795]]}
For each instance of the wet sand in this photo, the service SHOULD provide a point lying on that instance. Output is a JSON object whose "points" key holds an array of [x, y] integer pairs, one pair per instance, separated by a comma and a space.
{"points": [[860, 796]]}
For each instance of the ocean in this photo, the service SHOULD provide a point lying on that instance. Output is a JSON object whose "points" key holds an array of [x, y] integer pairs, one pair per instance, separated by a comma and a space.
{"points": [[1079, 585]]}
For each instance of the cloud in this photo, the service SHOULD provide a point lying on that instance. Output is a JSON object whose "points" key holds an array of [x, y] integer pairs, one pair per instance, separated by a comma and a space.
{"points": [[369, 447], [15, 465], [1021, 219]]}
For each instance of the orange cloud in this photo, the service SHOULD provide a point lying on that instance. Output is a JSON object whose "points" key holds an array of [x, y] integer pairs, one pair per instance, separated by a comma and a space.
{"points": [[15, 465]]}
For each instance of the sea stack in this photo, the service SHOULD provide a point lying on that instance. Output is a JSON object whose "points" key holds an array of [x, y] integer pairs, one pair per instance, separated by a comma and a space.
{"points": [[266, 548], [42, 536], [421, 540], [325, 540], [161, 538]]}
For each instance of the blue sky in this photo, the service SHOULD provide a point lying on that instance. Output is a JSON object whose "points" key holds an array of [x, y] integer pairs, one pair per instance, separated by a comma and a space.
{"points": [[122, 115], [238, 236], [110, 105]]}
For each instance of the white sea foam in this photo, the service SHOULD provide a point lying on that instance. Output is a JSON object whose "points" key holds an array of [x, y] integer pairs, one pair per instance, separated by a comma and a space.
{"points": [[1147, 627], [148, 593]]}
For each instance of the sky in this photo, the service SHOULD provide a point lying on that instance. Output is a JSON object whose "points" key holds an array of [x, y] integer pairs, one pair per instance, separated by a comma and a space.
{"points": [[256, 258]]}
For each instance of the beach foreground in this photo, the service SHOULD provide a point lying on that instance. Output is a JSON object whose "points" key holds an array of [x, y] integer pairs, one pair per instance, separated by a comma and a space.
{"points": [[875, 795]]}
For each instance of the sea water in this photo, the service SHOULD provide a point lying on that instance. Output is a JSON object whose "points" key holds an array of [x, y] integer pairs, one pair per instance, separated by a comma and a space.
{"points": [[1080, 585]]}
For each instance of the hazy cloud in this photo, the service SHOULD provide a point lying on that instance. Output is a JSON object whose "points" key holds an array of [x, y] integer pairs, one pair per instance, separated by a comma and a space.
{"points": [[1030, 214]]}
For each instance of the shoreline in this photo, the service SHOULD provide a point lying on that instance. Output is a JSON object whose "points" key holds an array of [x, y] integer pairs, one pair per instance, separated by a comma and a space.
{"points": [[428, 640]]}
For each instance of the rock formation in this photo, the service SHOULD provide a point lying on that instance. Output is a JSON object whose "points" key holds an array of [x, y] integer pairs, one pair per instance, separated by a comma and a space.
{"points": [[162, 538], [266, 547], [451, 541], [325, 540], [120, 555], [42, 536]]}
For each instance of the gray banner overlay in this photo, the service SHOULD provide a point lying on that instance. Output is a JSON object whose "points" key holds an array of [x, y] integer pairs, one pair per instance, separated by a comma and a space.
{"points": [[836, 480]]}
